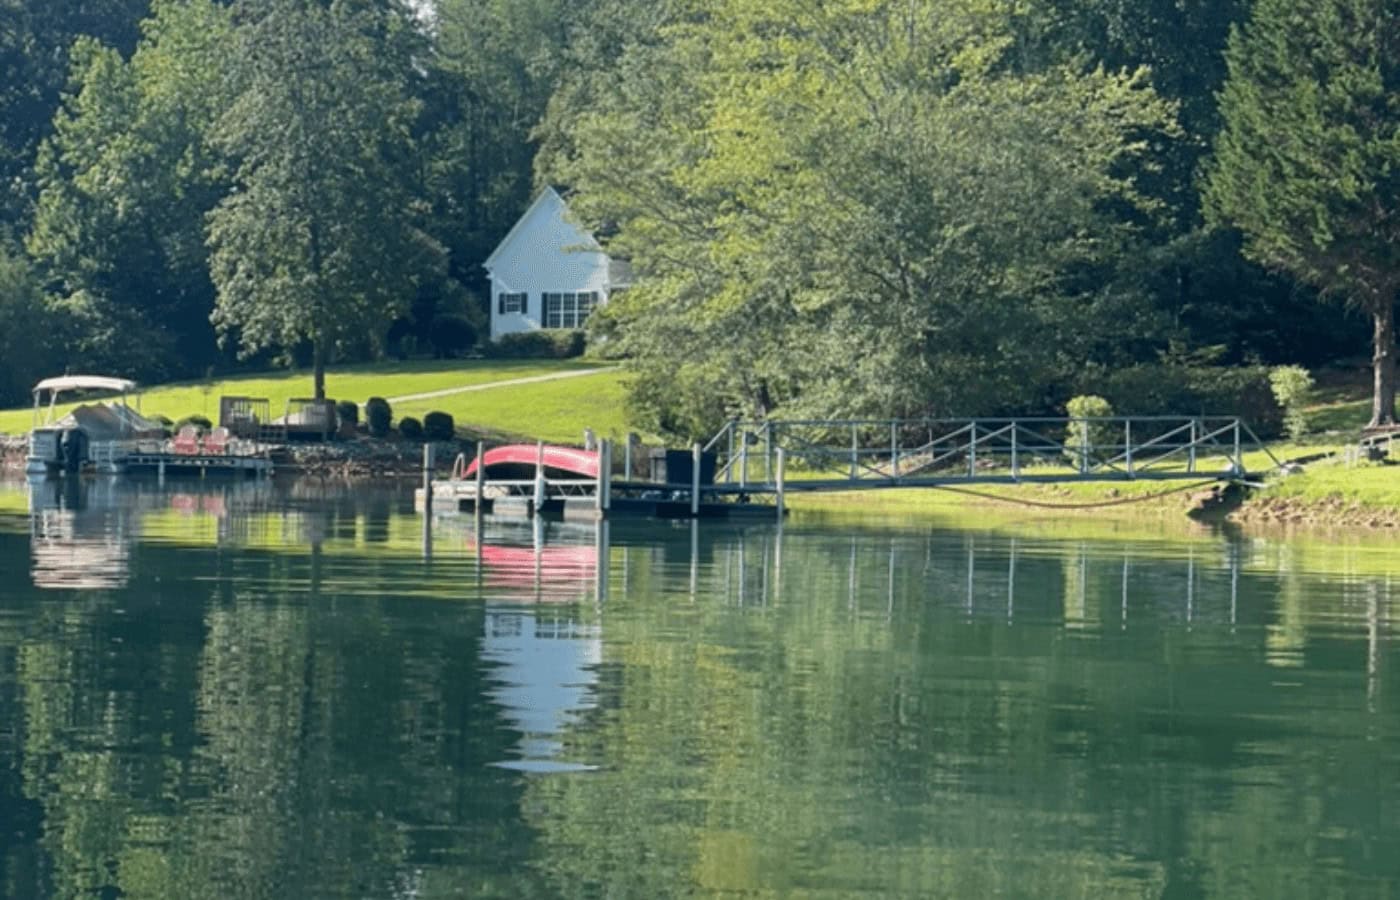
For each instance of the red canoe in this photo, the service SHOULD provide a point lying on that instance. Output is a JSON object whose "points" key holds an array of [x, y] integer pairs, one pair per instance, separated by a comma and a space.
{"points": [[568, 460]]}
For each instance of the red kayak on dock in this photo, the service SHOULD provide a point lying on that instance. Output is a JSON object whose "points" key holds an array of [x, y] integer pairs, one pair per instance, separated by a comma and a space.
{"points": [[557, 460]]}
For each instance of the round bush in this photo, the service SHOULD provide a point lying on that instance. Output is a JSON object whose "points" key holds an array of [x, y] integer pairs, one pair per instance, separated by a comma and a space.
{"points": [[411, 428], [378, 415], [438, 426], [347, 413]]}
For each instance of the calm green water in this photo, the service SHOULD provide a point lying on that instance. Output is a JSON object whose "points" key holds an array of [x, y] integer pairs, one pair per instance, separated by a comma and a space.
{"points": [[268, 692]]}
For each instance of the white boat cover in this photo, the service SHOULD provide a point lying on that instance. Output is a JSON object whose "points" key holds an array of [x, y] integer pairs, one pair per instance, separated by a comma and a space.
{"points": [[86, 383]]}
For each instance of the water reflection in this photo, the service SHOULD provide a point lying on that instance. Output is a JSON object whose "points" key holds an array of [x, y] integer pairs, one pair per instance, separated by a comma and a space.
{"points": [[544, 673], [280, 696]]}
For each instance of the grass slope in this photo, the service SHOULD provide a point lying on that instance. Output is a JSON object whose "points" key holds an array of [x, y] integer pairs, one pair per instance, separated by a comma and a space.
{"points": [[359, 383]]}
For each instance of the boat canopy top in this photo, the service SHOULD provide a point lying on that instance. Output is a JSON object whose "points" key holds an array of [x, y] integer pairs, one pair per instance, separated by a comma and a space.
{"points": [[85, 383]]}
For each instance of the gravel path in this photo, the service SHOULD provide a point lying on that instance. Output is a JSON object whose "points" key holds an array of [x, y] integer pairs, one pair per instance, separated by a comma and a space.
{"points": [[510, 382]]}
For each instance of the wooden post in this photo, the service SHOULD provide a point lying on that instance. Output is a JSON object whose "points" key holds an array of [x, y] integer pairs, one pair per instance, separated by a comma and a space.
{"points": [[782, 467], [539, 478], [695, 454], [428, 478]]}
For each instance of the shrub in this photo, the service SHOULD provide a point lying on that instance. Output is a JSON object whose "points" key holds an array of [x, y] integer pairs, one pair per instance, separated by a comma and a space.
{"points": [[378, 416], [347, 413], [552, 344], [1179, 390], [438, 426], [200, 422], [1084, 436], [411, 428], [451, 335], [1292, 386]]}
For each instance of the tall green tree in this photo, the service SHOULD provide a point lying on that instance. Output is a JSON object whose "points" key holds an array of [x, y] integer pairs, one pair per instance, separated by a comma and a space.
{"points": [[860, 208], [1308, 164], [125, 181], [35, 41], [320, 241]]}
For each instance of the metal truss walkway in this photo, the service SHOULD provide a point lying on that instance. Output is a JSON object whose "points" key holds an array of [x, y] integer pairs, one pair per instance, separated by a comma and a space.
{"points": [[865, 454]]}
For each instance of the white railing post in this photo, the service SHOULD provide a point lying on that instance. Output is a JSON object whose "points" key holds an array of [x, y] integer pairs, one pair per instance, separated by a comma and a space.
{"points": [[1191, 451], [972, 452], [1015, 456], [1238, 462], [1128, 445], [627, 460], [855, 449]]}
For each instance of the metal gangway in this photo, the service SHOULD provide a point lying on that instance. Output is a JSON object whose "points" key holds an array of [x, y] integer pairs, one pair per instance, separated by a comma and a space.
{"points": [[773, 456]]}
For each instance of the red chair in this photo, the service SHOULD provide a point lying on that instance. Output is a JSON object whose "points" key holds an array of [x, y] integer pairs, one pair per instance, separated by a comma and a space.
{"points": [[216, 441], [186, 443]]}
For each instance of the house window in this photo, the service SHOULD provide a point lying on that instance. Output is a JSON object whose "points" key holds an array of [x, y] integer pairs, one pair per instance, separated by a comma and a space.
{"points": [[508, 302], [568, 310]]}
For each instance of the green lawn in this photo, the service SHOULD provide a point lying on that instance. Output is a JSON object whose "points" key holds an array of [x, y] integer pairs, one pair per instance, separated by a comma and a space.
{"points": [[552, 410], [359, 383]]}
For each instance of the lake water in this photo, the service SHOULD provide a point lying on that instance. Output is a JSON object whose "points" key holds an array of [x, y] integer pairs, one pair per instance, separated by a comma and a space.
{"points": [[268, 691]]}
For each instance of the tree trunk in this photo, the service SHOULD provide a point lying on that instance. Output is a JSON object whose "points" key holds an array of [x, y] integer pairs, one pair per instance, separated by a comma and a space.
{"points": [[1383, 399], [318, 370]]}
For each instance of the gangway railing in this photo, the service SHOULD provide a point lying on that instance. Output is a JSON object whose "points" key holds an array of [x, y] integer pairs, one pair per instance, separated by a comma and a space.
{"points": [[889, 452]]}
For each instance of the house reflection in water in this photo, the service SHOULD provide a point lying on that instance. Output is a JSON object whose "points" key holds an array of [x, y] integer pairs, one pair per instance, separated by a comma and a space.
{"points": [[546, 673]]}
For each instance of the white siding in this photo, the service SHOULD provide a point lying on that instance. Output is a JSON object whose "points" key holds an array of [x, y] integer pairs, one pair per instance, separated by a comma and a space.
{"points": [[543, 252]]}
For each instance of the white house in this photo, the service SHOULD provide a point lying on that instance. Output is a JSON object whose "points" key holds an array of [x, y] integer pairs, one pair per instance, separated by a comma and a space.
{"points": [[547, 272]]}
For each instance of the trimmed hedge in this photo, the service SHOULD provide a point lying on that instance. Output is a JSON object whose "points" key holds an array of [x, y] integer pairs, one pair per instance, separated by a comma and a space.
{"points": [[438, 426], [1165, 390], [550, 344], [411, 428], [347, 413], [378, 416]]}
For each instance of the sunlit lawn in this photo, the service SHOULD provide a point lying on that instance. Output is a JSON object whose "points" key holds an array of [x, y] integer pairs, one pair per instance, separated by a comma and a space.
{"points": [[356, 383]]}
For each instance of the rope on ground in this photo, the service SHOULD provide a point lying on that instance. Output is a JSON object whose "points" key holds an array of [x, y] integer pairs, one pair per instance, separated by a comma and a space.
{"points": [[1121, 501]]}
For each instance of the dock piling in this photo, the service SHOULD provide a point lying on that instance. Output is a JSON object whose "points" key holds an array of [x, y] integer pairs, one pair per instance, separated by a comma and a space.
{"points": [[428, 478], [782, 471], [696, 453], [539, 478]]}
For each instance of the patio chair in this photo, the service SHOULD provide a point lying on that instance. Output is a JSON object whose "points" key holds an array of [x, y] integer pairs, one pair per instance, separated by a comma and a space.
{"points": [[186, 443], [216, 441]]}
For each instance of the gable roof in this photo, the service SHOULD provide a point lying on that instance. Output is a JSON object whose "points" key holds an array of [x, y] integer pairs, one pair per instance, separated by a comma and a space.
{"points": [[546, 196]]}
